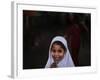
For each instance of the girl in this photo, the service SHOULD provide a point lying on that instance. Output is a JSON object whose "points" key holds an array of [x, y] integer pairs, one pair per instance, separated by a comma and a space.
{"points": [[59, 55]]}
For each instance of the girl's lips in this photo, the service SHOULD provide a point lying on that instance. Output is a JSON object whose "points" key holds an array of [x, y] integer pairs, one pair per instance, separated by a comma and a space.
{"points": [[55, 57]]}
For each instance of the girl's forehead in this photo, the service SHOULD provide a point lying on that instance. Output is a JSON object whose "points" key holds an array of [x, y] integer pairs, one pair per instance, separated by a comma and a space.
{"points": [[55, 44]]}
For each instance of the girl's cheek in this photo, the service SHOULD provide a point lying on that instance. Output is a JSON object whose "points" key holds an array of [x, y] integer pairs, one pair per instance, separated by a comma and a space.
{"points": [[52, 53]]}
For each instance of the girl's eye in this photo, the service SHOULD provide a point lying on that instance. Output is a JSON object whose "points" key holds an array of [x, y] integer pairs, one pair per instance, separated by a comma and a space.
{"points": [[59, 51], [54, 51]]}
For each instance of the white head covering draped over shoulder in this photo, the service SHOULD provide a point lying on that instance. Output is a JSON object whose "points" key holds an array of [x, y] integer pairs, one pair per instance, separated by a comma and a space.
{"points": [[67, 60]]}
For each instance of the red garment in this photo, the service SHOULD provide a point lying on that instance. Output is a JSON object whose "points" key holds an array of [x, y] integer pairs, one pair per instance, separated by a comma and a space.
{"points": [[73, 36]]}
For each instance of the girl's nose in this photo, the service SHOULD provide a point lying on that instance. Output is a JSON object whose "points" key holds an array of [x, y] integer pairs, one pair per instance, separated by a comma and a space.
{"points": [[56, 53]]}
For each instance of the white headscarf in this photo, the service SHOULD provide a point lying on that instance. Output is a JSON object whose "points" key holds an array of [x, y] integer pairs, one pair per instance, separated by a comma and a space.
{"points": [[66, 61]]}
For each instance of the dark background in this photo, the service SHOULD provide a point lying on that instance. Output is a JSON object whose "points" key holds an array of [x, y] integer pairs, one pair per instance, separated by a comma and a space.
{"points": [[39, 27]]}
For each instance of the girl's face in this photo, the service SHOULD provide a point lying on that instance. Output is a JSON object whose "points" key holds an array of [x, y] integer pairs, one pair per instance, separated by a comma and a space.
{"points": [[57, 52]]}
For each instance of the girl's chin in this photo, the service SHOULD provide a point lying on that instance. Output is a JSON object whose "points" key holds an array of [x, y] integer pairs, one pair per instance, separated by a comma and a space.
{"points": [[56, 60]]}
